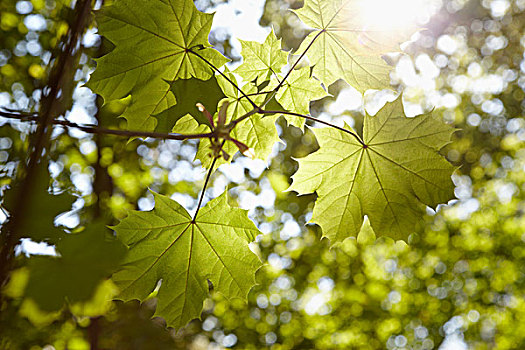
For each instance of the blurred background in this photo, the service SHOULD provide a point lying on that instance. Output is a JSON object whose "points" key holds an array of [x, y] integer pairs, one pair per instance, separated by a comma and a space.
{"points": [[458, 284]]}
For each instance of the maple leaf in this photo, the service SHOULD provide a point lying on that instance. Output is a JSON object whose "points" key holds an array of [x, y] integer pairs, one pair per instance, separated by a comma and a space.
{"points": [[390, 175], [166, 244], [296, 93], [260, 61], [154, 40], [345, 46]]}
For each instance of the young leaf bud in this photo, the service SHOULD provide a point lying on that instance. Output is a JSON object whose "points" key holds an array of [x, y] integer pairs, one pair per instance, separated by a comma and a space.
{"points": [[208, 115]]}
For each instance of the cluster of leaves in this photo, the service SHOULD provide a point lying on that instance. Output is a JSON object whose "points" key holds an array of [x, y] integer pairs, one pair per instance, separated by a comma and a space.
{"points": [[389, 172]]}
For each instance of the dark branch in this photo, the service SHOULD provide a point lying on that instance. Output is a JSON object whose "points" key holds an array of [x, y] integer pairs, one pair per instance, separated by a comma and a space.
{"points": [[94, 129]]}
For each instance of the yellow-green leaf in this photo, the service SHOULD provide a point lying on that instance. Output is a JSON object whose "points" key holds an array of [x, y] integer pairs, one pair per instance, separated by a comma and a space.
{"points": [[345, 46], [166, 244], [390, 175], [297, 92], [153, 41], [260, 61]]}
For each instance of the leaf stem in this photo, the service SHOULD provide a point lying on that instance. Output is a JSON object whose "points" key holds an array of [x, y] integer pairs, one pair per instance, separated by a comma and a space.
{"points": [[275, 75], [254, 105], [234, 122], [281, 83], [298, 60], [210, 171], [316, 120], [256, 94]]}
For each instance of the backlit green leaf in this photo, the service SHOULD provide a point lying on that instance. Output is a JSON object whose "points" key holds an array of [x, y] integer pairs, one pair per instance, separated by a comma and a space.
{"points": [[390, 178], [296, 94], [153, 41], [166, 244], [347, 47], [260, 61]]}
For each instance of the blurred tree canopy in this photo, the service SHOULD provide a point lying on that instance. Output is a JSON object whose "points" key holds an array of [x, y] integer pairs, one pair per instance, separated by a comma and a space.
{"points": [[459, 280]]}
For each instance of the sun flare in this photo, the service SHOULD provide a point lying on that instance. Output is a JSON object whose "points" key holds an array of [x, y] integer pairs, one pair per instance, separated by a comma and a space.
{"points": [[395, 14]]}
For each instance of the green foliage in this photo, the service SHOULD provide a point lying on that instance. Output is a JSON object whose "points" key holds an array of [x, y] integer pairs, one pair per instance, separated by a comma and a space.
{"points": [[156, 64], [390, 175], [153, 42], [163, 62], [261, 61], [86, 258], [297, 92], [342, 46], [168, 244]]}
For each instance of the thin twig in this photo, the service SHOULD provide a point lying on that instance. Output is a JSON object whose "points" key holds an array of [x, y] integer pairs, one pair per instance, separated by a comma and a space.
{"points": [[294, 65], [206, 184], [94, 129], [254, 105], [275, 75], [318, 121], [298, 60], [256, 94], [234, 122]]}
